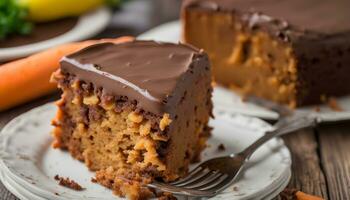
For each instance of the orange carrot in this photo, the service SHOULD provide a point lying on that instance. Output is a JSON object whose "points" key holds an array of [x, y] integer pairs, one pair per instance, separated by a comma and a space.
{"points": [[28, 78], [302, 196]]}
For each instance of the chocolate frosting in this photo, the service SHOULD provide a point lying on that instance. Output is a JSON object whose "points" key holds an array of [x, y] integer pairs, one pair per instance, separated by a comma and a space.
{"points": [[145, 71], [293, 18]]}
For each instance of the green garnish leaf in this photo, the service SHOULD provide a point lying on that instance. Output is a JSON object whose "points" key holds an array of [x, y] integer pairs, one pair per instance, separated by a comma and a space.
{"points": [[13, 19]]}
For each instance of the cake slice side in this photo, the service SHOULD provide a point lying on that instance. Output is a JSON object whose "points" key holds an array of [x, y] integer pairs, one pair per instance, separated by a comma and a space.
{"points": [[263, 48], [249, 62], [125, 143]]}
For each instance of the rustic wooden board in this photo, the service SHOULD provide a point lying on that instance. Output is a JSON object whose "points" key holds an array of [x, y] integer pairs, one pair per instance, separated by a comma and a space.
{"points": [[335, 158], [307, 174], [6, 195]]}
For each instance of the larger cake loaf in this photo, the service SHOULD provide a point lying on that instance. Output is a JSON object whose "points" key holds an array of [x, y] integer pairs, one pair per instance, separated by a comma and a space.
{"points": [[295, 52], [134, 111]]}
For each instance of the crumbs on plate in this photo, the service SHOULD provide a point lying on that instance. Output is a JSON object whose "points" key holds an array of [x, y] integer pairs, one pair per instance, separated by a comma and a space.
{"points": [[66, 182]]}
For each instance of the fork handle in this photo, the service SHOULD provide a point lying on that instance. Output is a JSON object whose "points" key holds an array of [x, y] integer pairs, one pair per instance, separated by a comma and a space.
{"points": [[293, 124]]}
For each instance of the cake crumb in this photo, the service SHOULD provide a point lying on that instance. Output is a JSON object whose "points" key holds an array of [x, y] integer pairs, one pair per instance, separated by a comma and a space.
{"points": [[221, 147], [93, 180], [66, 182], [166, 196], [333, 104]]}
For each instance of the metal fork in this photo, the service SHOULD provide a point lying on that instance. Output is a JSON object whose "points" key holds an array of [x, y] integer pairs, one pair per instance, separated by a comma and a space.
{"points": [[214, 175]]}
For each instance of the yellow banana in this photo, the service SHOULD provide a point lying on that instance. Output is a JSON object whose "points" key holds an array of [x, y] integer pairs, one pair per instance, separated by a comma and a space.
{"points": [[48, 10]]}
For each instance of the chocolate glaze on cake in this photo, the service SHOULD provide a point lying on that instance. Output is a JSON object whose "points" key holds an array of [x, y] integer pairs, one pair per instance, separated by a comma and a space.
{"points": [[295, 18], [148, 77], [317, 31]]}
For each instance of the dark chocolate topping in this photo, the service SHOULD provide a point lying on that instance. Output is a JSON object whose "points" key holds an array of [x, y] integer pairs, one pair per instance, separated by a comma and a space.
{"points": [[317, 17], [145, 71]]}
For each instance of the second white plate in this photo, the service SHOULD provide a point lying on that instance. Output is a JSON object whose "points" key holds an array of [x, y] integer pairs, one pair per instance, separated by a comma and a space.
{"points": [[88, 25]]}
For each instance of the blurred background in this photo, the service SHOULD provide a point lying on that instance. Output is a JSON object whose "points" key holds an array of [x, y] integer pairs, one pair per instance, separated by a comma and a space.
{"points": [[133, 18], [137, 16]]}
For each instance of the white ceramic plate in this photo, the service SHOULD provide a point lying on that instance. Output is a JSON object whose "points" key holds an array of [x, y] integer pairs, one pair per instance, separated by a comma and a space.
{"points": [[226, 100], [88, 25], [25, 194], [28, 160]]}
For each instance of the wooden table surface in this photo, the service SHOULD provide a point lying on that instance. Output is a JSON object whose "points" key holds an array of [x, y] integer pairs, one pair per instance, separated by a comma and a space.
{"points": [[321, 156]]}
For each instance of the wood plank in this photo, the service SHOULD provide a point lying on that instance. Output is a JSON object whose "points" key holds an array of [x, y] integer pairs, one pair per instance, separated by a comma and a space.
{"points": [[335, 158], [5, 194], [307, 174]]}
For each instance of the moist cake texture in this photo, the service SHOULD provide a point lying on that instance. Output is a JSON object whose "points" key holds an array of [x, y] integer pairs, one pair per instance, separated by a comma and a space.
{"points": [[134, 112], [292, 52]]}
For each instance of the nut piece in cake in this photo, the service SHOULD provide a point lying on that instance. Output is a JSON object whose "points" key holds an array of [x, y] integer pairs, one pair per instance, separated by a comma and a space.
{"points": [[134, 112]]}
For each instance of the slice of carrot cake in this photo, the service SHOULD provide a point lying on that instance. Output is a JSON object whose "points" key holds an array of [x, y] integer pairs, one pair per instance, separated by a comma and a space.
{"points": [[134, 112], [287, 51]]}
